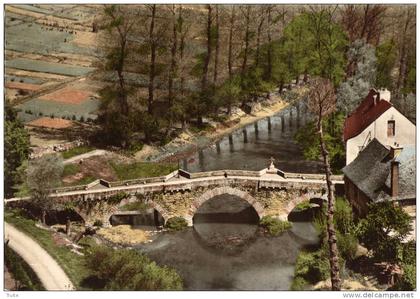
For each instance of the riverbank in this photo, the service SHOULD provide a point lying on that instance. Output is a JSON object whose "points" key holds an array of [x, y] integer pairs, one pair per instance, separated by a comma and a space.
{"points": [[189, 142]]}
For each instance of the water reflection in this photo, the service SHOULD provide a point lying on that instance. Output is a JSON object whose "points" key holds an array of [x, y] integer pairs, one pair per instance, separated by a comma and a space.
{"points": [[252, 146]]}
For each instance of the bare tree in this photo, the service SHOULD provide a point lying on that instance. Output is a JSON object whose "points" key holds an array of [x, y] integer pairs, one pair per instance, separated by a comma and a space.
{"points": [[230, 47], [321, 102], [217, 47]]}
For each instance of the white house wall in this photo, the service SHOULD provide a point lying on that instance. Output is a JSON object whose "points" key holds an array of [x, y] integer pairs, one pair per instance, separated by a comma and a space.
{"points": [[405, 133]]}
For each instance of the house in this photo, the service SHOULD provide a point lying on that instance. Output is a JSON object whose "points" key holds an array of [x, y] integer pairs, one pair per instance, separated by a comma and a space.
{"points": [[376, 117], [381, 174]]}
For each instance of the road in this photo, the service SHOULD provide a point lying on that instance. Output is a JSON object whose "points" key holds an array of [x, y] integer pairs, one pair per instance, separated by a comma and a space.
{"points": [[85, 156], [46, 268]]}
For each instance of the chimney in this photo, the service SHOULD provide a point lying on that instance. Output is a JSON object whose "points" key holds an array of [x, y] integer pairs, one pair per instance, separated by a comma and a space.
{"points": [[394, 153], [395, 150], [384, 94], [394, 178]]}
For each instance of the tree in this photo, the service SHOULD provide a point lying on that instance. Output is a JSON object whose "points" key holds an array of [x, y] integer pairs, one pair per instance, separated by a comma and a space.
{"points": [[229, 93], [16, 149], [321, 102], [386, 54], [383, 230], [351, 92], [43, 174]]}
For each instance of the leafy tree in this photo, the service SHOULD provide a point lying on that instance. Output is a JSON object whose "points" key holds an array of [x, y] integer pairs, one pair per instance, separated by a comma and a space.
{"points": [[126, 269], [229, 93], [333, 128], [386, 54], [354, 89], [43, 174], [16, 149], [384, 229]]}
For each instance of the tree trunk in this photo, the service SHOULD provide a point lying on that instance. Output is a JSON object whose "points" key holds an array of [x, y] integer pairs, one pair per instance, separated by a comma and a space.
{"points": [[44, 217], [270, 47], [332, 239], [206, 60], [247, 33], [216, 54], [172, 71], [122, 89], [232, 21], [152, 62], [182, 74], [68, 226], [257, 54]]}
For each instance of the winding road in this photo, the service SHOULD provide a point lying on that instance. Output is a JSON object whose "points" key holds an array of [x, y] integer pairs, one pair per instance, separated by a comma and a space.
{"points": [[46, 268]]}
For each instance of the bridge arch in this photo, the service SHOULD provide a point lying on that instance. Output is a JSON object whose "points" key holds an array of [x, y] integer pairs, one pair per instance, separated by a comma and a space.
{"points": [[220, 191]]}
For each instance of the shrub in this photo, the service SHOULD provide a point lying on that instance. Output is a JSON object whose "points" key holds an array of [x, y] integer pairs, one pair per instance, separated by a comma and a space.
{"points": [[176, 223], [82, 119], [302, 206], [98, 222], [114, 199], [298, 284], [274, 226], [73, 117], [129, 270], [347, 245], [343, 215], [313, 266]]}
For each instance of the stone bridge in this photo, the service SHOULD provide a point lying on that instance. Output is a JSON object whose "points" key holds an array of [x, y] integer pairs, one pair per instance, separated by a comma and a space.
{"points": [[269, 191]]}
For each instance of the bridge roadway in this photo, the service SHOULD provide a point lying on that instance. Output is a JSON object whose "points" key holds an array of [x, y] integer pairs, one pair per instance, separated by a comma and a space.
{"points": [[180, 193], [182, 180]]}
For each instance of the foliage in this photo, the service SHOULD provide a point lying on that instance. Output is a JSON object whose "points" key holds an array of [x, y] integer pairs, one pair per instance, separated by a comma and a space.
{"points": [[343, 216], [71, 263], [383, 230], [115, 199], [98, 223], [43, 174], [129, 270], [347, 245], [142, 169], [316, 44], [135, 206], [275, 226], [25, 278], [386, 54], [309, 141], [354, 89], [303, 206], [313, 266], [16, 149], [176, 223], [75, 151]]}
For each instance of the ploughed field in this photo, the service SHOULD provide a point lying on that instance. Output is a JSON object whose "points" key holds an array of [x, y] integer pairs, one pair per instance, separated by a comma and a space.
{"points": [[50, 51]]}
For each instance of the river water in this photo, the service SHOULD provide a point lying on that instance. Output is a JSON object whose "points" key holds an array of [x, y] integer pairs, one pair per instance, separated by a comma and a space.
{"points": [[225, 249]]}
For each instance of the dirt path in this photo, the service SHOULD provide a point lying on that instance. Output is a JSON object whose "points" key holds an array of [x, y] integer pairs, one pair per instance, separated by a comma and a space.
{"points": [[85, 156], [46, 268]]}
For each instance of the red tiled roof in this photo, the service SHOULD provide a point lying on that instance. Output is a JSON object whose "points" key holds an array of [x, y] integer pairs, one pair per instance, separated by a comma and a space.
{"points": [[364, 115]]}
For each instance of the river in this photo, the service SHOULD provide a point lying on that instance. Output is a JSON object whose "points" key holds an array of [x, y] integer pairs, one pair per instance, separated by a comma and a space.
{"points": [[225, 249]]}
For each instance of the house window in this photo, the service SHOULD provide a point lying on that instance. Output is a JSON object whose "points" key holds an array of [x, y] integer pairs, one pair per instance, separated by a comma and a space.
{"points": [[391, 128]]}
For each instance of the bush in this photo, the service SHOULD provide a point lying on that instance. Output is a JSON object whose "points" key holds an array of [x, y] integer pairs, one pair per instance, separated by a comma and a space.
{"points": [[303, 206], [313, 266], [347, 245], [98, 222], [298, 284], [176, 223], [343, 216], [274, 226], [129, 270]]}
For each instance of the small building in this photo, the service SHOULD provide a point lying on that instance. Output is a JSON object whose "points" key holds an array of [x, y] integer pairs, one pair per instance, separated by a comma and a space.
{"points": [[381, 174], [376, 117]]}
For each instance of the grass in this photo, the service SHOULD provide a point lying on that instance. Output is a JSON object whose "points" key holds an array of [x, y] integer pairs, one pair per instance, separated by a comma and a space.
{"points": [[21, 272], [303, 206], [70, 169], [71, 263], [76, 151], [142, 170]]}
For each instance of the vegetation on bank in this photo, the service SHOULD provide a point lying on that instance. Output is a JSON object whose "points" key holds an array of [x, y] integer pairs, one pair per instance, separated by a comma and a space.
{"points": [[274, 226], [101, 268], [176, 224], [135, 206], [312, 266], [23, 275], [128, 270]]}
